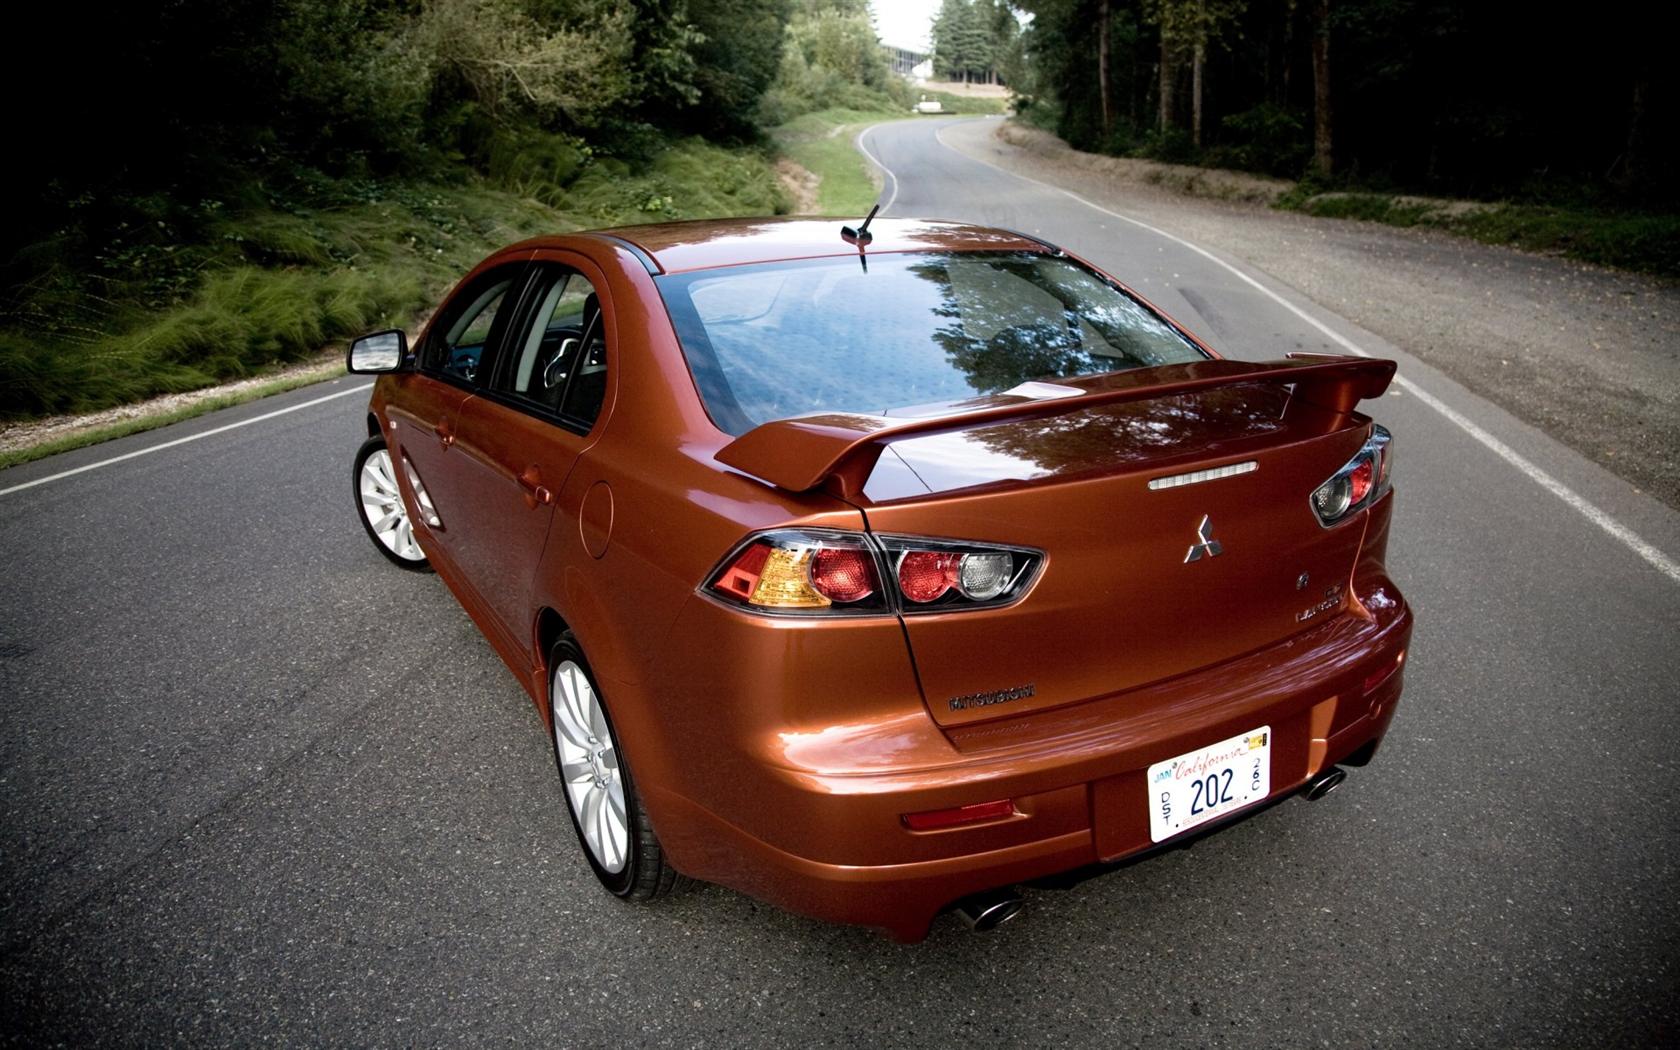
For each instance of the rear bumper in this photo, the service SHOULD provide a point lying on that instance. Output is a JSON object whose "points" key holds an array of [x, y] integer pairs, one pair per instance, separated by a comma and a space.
{"points": [[824, 834]]}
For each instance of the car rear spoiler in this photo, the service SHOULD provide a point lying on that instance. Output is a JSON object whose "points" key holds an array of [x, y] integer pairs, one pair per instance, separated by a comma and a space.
{"points": [[802, 453]]}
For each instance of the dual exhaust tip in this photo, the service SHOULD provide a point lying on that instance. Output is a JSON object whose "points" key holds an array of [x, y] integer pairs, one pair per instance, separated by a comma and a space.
{"points": [[985, 912]]}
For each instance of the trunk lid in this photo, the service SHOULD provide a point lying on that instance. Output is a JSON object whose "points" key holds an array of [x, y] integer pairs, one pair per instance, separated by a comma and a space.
{"points": [[1134, 587]]}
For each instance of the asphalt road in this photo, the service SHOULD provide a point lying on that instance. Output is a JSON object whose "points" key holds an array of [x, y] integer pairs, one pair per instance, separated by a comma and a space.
{"points": [[260, 786]]}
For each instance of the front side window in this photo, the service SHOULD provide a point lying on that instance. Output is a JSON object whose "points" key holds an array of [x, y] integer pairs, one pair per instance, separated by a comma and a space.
{"points": [[457, 349], [559, 364], [784, 339]]}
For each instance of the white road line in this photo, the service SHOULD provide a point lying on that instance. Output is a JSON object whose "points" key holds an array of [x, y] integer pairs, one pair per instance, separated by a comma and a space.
{"points": [[858, 142], [182, 441], [1589, 510]]}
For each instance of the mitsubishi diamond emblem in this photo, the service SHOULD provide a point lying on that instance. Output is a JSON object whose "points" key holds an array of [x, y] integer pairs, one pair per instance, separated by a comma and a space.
{"points": [[1208, 547]]}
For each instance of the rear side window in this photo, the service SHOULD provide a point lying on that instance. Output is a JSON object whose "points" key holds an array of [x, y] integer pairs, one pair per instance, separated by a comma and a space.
{"points": [[825, 335], [462, 336], [559, 362]]}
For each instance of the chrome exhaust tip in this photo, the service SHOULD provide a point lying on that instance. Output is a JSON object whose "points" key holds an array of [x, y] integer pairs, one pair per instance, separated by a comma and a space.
{"points": [[1324, 783], [985, 912]]}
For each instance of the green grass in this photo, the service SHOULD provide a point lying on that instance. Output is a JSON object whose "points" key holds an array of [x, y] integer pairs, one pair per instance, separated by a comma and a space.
{"points": [[1644, 242], [94, 436], [231, 290], [963, 104], [823, 142]]}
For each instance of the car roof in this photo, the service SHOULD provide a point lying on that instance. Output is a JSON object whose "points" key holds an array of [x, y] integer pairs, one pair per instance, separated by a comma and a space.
{"points": [[676, 247]]}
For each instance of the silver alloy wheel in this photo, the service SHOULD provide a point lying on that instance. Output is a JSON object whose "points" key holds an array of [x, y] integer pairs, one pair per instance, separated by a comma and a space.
{"points": [[382, 505], [589, 766]]}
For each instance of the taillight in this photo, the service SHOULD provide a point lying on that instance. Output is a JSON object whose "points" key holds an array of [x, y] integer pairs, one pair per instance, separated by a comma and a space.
{"points": [[802, 571], [817, 571], [960, 577], [1361, 482]]}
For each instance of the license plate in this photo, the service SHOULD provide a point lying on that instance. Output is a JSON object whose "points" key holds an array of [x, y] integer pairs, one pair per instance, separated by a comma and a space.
{"points": [[1208, 783]]}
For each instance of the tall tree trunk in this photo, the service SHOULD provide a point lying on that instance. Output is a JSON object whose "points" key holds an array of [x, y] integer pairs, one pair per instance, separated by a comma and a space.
{"points": [[1630, 173], [1321, 89], [1196, 94], [1102, 68], [1168, 111]]}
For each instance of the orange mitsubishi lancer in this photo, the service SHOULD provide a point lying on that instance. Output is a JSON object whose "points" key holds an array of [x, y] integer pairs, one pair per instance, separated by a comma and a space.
{"points": [[877, 572]]}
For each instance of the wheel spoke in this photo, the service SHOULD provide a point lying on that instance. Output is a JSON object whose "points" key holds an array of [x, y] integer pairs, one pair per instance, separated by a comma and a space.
{"points": [[580, 698], [575, 772], [570, 729], [591, 821], [382, 470], [612, 851], [405, 540], [615, 800], [598, 719]]}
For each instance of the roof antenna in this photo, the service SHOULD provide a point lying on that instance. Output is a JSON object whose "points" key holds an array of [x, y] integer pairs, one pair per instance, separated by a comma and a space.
{"points": [[860, 236]]}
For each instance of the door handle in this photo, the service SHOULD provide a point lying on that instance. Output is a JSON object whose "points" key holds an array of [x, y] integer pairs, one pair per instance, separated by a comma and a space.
{"points": [[444, 434], [535, 492]]}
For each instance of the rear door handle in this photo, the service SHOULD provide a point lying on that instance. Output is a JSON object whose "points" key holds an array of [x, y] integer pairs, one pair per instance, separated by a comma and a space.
{"points": [[535, 493]]}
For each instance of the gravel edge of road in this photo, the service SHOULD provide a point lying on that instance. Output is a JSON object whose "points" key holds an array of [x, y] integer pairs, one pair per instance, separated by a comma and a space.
{"points": [[1590, 356]]}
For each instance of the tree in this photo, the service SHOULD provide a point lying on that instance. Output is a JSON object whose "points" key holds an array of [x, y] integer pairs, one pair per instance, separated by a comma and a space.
{"points": [[737, 60], [1322, 162], [1102, 68], [1187, 27]]}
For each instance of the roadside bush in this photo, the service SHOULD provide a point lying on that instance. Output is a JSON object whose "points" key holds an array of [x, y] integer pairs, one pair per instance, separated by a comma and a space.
{"points": [[1268, 139], [1172, 146]]}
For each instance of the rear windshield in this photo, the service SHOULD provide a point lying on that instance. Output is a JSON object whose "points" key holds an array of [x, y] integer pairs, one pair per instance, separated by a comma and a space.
{"points": [[825, 335]]}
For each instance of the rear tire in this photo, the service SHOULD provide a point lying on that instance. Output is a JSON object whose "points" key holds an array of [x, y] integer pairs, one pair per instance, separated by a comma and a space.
{"points": [[607, 814], [380, 506]]}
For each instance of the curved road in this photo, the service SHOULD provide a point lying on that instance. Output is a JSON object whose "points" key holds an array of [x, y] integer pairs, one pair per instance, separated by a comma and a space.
{"points": [[260, 786]]}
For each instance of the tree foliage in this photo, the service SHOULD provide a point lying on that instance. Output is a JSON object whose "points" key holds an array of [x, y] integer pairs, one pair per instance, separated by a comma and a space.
{"points": [[1432, 95], [975, 40]]}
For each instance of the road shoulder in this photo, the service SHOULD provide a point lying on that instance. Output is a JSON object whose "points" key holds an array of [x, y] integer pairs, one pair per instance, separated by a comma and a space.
{"points": [[1588, 355]]}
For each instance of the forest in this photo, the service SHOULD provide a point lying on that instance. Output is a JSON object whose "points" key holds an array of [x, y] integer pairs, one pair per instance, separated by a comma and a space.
{"points": [[1480, 100], [213, 188], [220, 186]]}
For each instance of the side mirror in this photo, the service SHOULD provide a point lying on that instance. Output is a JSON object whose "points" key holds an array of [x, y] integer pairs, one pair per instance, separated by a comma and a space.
{"points": [[379, 352]]}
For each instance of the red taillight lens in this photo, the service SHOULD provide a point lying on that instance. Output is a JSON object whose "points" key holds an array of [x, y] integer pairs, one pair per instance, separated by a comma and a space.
{"points": [[1361, 482], [1360, 479], [925, 576], [843, 574], [945, 818], [740, 577]]}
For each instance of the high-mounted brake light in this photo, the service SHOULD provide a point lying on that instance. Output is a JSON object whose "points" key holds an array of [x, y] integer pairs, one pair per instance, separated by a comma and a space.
{"points": [[828, 571], [1361, 481]]}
